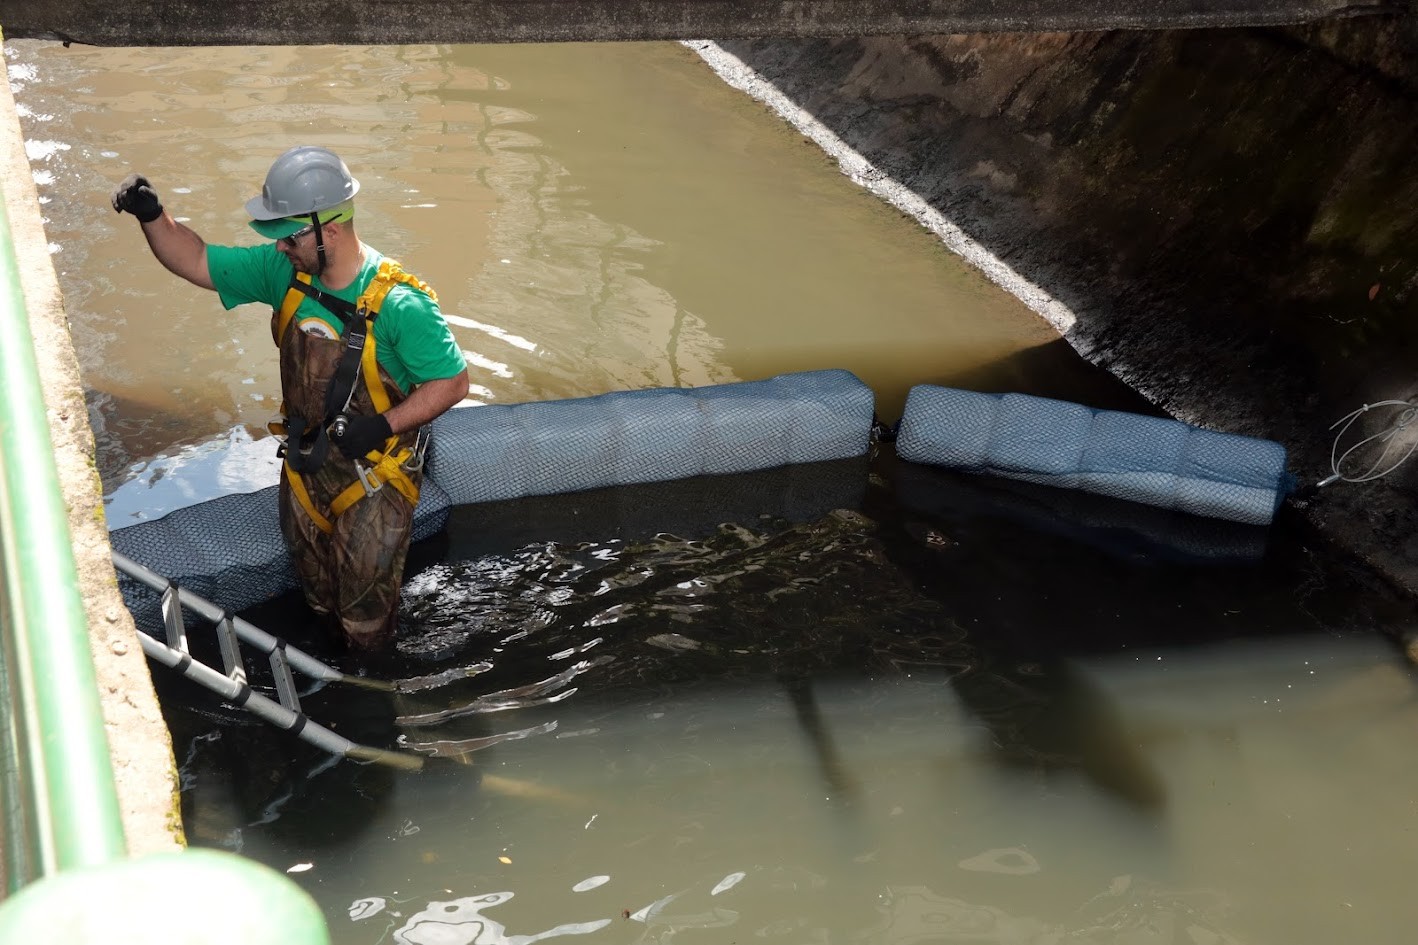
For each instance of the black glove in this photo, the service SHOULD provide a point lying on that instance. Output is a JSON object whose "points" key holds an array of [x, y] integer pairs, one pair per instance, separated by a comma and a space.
{"points": [[138, 197], [356, 436]]}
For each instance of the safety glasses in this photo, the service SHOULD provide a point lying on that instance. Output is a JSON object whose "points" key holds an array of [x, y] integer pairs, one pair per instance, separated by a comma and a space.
{"points": [[291, 240]]}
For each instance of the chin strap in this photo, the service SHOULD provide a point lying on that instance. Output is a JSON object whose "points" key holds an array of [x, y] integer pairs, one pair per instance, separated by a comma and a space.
{"points": [[321, 261]]}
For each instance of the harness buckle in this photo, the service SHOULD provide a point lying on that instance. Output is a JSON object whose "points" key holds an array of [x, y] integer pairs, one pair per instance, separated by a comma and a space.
{"points": [[371, 483]]}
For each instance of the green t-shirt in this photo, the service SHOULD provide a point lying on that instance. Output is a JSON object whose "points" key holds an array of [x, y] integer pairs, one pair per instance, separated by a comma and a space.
{"points": [[412, 339]]}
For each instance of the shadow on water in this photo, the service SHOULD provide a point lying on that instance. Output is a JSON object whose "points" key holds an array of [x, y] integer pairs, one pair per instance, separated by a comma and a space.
{"points": [[252, 777]]}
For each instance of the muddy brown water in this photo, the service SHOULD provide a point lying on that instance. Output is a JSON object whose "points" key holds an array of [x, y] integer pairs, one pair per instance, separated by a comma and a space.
{"points": [[866, 701]]}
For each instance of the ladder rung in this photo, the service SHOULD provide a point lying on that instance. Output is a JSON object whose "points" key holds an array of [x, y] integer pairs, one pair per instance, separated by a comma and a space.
{"points": [[231, 650], [285, 682]]}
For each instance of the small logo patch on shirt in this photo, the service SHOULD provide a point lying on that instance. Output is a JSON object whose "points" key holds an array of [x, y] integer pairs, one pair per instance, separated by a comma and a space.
{"points": [[318, 327]]}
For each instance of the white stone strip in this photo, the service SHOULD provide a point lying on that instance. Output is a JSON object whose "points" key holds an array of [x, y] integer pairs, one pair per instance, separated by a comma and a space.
{"points": [[738, 75]]}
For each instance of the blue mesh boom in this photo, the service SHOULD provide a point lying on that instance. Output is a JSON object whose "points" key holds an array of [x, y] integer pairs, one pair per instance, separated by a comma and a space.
{"points": [[1156, 461], [229, 550], [622, 438]]}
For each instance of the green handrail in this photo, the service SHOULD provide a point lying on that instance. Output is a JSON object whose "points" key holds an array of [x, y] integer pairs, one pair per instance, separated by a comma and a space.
{"points": [[63, 813]]}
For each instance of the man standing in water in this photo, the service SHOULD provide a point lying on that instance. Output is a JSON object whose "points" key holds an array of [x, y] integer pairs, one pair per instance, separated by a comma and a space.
{"points": [[367, 362]]}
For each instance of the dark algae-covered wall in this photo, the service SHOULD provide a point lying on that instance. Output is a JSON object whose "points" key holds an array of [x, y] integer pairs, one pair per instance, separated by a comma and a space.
{"points": [[1230, 214]]}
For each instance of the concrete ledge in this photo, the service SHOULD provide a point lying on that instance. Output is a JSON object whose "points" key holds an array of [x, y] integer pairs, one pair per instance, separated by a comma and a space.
{"points": [[382, 22], [139, 743]]}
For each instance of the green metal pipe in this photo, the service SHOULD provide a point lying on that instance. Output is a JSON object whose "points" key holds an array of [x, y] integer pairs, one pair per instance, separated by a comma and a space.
{"points": [[196, 897], [67, 810]]}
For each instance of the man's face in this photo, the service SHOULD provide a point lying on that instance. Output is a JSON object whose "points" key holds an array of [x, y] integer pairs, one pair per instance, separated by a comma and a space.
{"points": [[299, 248]]}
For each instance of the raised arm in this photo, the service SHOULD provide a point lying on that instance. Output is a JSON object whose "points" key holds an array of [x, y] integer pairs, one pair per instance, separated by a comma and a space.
{"points": [[180, 250]]}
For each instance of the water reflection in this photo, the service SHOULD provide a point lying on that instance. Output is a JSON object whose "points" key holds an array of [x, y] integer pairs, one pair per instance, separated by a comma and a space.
{"points": [[461, 922], [191, 475], [579, 245], [1125, 911], [655, 792]]}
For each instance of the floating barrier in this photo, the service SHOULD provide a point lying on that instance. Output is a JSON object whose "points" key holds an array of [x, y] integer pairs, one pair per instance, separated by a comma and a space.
{"points": [[628, 437], [1152, 460], [230, 551]]}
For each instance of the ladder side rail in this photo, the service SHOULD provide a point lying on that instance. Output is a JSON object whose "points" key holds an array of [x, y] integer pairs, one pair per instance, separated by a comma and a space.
{"points": [[173, 621], [298, 723], [247, 631]]}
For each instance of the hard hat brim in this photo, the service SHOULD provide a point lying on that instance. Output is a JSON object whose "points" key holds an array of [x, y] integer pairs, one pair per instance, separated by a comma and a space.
{"points": [[289, 226], [280, 228], [256, 210], [256, 207]]}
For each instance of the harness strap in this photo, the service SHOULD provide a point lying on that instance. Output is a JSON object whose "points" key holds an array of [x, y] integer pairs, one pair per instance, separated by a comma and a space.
{"points": [[389, 470], [301, 286], [358, 338], [389, 275], [340, 308], [298, 456], [386, 278], [302, 495], [289, 304], [360, 357]]}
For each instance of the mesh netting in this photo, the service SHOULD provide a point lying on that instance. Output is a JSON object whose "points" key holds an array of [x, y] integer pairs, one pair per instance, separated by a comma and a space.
{"points": [[1151, 460], [230, 551], [497, 452]]}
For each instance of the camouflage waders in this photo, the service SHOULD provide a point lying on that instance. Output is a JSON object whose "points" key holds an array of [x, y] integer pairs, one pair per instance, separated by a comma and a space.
{"points": [[346, 523]]}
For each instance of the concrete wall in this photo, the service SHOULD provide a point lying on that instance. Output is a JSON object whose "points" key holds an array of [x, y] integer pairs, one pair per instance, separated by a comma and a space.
{"points": [[372, 22], [1232, 215], [139, 744]]}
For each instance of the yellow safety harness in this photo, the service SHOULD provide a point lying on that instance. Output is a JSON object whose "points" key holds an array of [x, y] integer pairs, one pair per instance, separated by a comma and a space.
{"points": [[386, 465]]}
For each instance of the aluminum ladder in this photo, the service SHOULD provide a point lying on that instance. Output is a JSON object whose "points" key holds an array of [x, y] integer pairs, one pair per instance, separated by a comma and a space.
{"points": [[284, 711]]}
